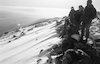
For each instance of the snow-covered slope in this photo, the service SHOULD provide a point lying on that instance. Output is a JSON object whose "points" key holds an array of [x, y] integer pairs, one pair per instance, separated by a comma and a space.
{"points": [[26, 48]]}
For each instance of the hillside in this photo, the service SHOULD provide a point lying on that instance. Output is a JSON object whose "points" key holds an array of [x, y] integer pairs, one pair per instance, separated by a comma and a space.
{"points": [[33, 44], [19, 48]]}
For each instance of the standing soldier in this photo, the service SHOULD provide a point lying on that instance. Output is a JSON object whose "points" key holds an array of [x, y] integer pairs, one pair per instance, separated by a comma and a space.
{"points": [[89, 15], [78, 16], [71, 15]]}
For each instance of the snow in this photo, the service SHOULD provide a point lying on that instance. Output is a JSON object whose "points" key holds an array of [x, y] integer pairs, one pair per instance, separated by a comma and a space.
{"points": [[26, 49]]}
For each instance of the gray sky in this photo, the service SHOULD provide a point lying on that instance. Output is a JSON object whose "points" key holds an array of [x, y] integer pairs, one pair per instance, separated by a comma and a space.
{"points": [[49, 3]]}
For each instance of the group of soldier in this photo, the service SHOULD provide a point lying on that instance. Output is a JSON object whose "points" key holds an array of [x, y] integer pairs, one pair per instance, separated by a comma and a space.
{"points": [[82, 18], [78, 23]]}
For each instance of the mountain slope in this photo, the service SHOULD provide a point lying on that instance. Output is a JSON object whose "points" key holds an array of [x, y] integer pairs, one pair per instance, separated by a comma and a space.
{"points": [[25, 50]]}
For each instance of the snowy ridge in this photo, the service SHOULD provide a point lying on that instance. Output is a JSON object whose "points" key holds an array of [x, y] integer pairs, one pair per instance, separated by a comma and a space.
{"points": [[10, 36], [26, 48]]}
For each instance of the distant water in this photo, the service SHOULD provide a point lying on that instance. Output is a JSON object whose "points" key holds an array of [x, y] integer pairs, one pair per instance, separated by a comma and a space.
{"points": [[11, 16]]}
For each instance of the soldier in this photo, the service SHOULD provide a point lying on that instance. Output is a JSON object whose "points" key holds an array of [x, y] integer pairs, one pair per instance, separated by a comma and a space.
{"points": [[71, 15], [78, 16], [89, 15]]}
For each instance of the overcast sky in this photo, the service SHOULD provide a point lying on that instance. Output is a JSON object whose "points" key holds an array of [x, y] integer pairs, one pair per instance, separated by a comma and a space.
{"points": [[49, 3]]}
